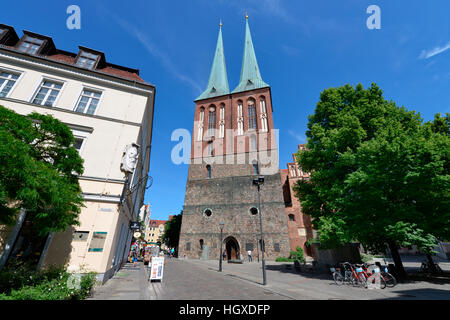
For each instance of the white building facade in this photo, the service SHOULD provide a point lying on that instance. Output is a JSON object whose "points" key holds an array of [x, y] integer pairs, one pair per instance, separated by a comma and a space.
{"points": [[108, 107]]}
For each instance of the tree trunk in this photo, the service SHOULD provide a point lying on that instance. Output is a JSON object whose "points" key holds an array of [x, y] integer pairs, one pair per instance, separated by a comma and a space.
{"points": [[431, 265], [397, 260]]}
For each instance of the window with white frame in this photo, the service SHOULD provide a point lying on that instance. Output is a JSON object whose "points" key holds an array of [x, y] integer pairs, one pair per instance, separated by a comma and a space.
{"points": [[30, 45], [200, 124], [262, 104], [47, 93], [88, 101], [240, 119], [293, 173], [222, 122], [80, 138], [87, 60], [78, 143], [7, 81]]}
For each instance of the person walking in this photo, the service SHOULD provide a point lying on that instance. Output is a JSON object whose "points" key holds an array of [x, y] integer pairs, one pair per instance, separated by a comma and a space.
{"points": [[249, 252]]}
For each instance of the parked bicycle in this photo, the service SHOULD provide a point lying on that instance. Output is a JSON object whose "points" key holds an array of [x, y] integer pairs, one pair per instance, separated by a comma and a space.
{"points": [[362, 275], [373, 275], [426, 267], [346, 273]]}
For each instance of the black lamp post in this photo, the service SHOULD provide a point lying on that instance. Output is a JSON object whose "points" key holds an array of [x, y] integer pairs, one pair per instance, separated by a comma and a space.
{"points": [[258, 182], [221, 224]]}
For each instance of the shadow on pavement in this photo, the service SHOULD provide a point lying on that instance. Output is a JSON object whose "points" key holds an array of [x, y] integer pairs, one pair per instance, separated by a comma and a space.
{"points": [[304, 271], [421, 294]]}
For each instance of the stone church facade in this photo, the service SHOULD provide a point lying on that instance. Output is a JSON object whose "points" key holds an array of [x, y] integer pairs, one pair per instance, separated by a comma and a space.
{"points": [[233, 142]]}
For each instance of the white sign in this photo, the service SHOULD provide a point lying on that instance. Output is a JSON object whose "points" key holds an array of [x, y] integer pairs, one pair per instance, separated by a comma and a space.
{"points": [[129, 158], [157, 270]]}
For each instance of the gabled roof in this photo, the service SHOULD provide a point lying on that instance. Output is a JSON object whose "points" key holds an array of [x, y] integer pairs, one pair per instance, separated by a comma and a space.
{"points": [[218, 80], [250, 75]]}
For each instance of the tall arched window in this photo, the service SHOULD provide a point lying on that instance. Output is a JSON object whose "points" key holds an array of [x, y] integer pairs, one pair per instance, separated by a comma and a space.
{"points": [[212, 120], [251, 115], [210, 148], [293, 171], [208, 171], [201, 118], [222, 121], [255, 168], [263, 109], [240, 119]]}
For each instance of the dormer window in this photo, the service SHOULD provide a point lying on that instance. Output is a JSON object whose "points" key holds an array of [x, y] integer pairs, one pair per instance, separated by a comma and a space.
{"points": [[30, 45], [87, 60]]}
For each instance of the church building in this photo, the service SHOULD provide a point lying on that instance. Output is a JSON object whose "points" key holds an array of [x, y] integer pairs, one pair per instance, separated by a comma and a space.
{"points": [[233, 142]]}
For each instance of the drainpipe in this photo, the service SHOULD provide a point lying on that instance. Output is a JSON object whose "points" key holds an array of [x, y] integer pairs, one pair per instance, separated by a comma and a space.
{"points": [[12, 239]]}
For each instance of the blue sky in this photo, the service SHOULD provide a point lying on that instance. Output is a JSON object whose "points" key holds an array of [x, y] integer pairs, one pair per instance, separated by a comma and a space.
{"points": [[302, 47]]}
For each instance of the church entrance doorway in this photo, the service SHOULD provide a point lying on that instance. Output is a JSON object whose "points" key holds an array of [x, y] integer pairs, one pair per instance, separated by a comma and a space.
{"points": [[232, 249]]}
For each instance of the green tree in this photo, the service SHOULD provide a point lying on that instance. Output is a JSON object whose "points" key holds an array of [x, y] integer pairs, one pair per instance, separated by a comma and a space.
{"points": [[39, 170], [171, 234], [379, 175]]}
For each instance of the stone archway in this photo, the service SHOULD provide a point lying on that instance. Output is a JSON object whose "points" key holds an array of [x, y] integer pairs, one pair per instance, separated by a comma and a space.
{"points": [[232, 249]]}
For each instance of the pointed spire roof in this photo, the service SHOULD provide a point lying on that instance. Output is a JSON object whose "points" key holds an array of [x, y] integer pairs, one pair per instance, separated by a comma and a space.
{"points": [[250, 75], [218, 80]]}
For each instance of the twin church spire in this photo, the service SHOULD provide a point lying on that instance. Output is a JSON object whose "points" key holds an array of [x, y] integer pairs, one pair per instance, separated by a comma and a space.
{"points": [[250, 76]]}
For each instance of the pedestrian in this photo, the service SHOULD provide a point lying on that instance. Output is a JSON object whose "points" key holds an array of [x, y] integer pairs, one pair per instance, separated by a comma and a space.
{"points": [[224, 255], [249, 252]]}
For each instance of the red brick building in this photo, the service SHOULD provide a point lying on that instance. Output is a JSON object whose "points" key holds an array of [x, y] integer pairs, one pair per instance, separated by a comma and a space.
{"points": [[299, 224], [233, 141]]}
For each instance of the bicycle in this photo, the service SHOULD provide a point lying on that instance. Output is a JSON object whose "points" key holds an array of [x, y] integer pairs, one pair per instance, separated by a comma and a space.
{"points": [[388, 277], [360, 275], [425, 267], [375, 274], [353, 275]]}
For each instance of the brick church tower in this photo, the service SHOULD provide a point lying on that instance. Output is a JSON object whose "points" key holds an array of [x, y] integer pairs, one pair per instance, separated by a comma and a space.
{"points": [[233, 141]]}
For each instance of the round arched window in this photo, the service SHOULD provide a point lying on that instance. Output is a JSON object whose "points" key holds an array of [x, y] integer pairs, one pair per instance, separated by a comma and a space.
{"points": [[253, 211]]}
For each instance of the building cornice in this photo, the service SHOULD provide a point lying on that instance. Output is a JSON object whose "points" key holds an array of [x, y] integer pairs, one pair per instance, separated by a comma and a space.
{"points": [[101, 197], [71, 112], [101, 179], [64, 67]]}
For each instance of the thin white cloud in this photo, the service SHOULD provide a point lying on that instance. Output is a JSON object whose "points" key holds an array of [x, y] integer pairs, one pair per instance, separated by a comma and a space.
{"points": [[425, 54], [291, 51], [299, 137], [153, 50]]}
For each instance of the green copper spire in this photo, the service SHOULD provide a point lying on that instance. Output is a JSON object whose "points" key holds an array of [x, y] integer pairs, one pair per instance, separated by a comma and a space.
{"points": [[250, 75], [218, 80]]}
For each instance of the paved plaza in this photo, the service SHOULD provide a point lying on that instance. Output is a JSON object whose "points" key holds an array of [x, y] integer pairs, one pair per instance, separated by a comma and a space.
{"points": [[200, 280]]}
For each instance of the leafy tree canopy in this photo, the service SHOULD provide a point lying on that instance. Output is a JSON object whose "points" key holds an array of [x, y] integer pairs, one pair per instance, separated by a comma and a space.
{"points": [[39, 170], [172, 228], [378, 173]]}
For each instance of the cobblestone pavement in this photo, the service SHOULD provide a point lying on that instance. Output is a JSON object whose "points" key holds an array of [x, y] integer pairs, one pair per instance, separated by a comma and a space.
{"points": [[200, 280], [321, 286], [182, 281]]}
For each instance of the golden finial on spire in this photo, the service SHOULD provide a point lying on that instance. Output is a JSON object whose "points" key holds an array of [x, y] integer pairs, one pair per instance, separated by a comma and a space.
{"points": [[220, 23], [246, 15]]}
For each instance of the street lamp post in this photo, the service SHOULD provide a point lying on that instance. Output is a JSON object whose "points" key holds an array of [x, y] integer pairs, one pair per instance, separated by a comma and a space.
{"points": [[221, 224], [258, 182]]}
